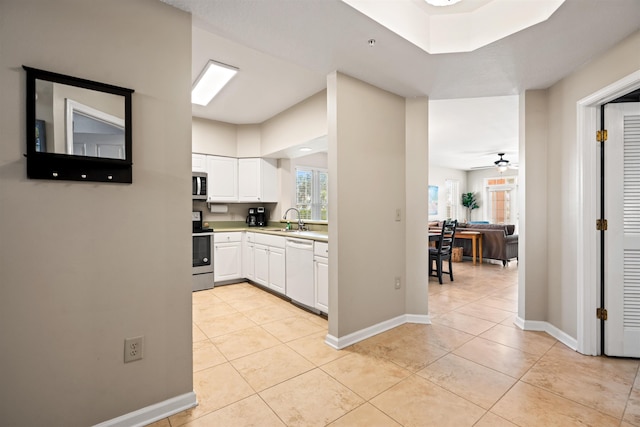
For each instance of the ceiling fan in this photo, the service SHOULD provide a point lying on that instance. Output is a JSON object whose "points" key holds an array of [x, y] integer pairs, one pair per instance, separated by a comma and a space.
{"points": [[501, 164]]}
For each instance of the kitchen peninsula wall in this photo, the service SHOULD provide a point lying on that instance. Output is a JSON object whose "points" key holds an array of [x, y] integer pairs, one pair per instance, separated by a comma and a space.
{"points": [[297, 125]]}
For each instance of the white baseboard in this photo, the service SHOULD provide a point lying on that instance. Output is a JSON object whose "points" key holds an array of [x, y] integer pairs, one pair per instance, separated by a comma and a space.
{"points": [[423, 319], [539, 325], [152, 413], [362, 334]]}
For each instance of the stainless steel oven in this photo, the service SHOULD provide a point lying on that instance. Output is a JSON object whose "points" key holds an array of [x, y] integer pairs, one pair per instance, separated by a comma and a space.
{"points": [[202, 260]]}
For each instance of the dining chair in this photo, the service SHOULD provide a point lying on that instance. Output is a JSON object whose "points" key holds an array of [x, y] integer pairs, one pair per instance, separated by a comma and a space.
{"points": [[442, 250]]}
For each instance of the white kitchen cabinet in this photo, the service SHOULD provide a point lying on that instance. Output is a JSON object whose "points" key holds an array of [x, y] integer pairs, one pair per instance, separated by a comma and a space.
{"points": [[257, 180], [277, 278], [261, 265], [198, 162], [321, 276], [269, 262], [227, 256], [222, 185], [248, 256]]}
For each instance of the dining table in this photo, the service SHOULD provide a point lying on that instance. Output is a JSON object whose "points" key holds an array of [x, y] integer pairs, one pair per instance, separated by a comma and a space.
{"points": [[476, 242], [434, 237]]}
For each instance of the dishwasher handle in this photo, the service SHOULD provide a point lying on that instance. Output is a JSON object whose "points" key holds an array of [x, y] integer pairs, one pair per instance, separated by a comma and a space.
{"points": [[300, 244]]}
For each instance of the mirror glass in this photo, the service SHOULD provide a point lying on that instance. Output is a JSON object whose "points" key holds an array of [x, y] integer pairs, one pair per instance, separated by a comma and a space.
{"points": [[77, 129], [78, 121]]}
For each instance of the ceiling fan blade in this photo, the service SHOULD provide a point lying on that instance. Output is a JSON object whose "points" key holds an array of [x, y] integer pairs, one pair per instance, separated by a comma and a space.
{"points": [[482, 167]]}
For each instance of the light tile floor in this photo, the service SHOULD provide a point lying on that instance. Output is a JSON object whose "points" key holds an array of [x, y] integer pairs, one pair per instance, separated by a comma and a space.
{"points": [[260, 361]]}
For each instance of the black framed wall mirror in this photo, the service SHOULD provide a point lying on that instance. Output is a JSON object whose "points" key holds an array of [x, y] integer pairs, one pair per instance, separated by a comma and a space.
{"points": [[77, 129]]}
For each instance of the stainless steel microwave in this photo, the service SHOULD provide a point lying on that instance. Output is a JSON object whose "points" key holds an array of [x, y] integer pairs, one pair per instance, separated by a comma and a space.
{"points": [[199, 185]]}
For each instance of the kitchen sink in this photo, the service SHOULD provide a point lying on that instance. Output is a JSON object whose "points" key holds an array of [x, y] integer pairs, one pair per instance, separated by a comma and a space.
{"points": [[305, 233]]}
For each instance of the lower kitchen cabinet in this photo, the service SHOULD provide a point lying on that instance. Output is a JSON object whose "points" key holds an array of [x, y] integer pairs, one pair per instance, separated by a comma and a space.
{"points": [[269, 262], [277, 270], [321, 276], [261, 258], [227, 256], [248, 256], [261, 264]]}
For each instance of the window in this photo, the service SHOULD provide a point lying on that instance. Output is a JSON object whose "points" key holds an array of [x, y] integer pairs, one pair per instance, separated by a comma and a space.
{"points": [[312, 198], [501, 199], [452, 187]]}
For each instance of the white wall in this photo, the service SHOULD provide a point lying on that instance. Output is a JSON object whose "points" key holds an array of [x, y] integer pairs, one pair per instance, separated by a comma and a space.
{"points": [[438, 176], [301, 123], [417, 171], [366, 144], [213, 137], [249, 140], [533, 246], [85, 265], [562, 167]]}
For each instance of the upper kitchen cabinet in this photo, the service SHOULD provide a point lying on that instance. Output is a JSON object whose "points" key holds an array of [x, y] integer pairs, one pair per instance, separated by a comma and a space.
{"points": [[198, 162], [257, 180], [222, 185]]}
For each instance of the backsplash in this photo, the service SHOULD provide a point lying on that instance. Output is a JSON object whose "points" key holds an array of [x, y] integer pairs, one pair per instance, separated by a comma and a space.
{"points": [[237, 214], [236, 211]]}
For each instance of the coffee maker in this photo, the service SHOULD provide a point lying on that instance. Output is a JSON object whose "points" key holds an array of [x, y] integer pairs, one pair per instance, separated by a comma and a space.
{"points": [[252, 218], [261, 216], [257, 217]]}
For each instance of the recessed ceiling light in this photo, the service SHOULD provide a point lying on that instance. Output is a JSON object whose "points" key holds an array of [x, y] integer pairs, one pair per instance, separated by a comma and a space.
{"points": [[442, 2], [305, 149], [212, 79]]}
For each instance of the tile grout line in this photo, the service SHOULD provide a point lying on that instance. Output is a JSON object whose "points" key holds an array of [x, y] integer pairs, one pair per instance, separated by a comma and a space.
{"points": [[518, 380]]}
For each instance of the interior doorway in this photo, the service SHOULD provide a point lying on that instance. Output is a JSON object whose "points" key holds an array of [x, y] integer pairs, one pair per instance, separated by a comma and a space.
{"points": [[620, 243], [588, 263]]}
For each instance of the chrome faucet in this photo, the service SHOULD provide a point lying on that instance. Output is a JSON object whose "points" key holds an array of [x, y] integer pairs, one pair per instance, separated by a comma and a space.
{"points": [[300, 223]]}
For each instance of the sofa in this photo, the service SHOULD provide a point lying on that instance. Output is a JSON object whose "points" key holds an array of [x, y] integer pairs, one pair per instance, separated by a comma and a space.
{"points": [[498, 240]]}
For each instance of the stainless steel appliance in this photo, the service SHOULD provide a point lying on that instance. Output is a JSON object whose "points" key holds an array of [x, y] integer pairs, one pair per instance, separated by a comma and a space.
{"points": [[202, 248], [199, 185]]}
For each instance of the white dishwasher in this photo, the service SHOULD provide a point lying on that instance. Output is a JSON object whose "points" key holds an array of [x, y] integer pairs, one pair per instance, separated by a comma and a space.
{"points": [[299, 268]]}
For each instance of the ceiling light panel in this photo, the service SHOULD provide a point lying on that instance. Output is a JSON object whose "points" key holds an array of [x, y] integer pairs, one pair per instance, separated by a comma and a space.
{"points": [[213, 78]]}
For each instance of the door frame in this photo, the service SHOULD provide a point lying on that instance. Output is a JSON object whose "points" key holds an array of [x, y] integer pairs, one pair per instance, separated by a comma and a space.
{"points": [[588, 286]]}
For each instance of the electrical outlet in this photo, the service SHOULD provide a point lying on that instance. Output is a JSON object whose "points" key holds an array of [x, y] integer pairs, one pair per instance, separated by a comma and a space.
{"points": [[398, 215], [397, 283], [133, 349]]}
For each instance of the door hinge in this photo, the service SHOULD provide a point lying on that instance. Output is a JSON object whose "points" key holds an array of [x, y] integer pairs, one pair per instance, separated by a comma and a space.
{"points": [[601, 224], [601, 135], [601, 313]]}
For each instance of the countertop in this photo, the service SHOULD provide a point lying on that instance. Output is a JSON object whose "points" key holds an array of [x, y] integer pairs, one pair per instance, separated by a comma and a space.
{"points": [[320, 236]]}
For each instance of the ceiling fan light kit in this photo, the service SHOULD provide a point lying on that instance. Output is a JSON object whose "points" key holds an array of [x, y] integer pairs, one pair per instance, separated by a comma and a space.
{"points": [[501, 164]]}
